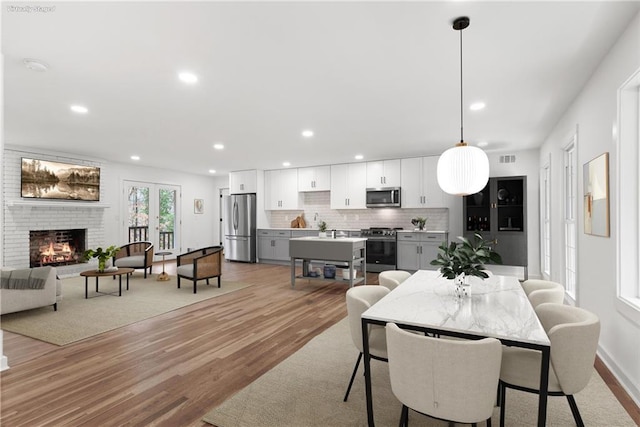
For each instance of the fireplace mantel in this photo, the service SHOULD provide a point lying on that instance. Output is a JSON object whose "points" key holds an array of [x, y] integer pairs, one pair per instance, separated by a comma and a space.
{"points": [[18, 203]]}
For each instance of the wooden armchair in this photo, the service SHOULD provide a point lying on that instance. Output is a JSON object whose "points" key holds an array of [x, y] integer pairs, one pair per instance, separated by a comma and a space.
{"points": [[135, 255], [201, 264]]}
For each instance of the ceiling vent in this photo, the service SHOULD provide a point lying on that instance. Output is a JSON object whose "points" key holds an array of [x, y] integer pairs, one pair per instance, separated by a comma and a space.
{"points": [[508, 159]]}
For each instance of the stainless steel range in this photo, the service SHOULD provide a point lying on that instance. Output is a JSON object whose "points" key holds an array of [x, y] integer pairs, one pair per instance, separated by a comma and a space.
{"points": [[381, 248]]}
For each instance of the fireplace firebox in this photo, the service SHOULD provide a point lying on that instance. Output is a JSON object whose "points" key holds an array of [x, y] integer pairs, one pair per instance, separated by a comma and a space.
{"points": [[56, 247]]}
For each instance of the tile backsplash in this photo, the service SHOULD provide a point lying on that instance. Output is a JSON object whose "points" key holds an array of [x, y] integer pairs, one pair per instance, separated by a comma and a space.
{"points": [[316, 208]]}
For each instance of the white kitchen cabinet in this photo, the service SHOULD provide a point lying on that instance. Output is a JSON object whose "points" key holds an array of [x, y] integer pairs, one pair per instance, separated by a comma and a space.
{"points": [[415, 251], [243, 182], [314, 179], [281, 189], [385, 173], [348, 186], [419, 184], [273, 245]]}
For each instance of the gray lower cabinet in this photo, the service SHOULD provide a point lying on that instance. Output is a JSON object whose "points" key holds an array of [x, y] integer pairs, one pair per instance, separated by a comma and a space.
{"points": [[416, 250], [273, 245]]}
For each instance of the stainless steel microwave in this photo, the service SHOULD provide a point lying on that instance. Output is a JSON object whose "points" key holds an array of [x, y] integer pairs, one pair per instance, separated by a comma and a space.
{"points": [[383, 197]]}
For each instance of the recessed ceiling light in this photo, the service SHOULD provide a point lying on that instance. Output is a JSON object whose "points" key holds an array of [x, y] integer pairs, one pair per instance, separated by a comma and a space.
{"points": [[286, 164], [359, 157], [212, 171], [80, 109], [135, 157], [188, 77], [35, 65], [483, 144], [218, 146], [477, 106], [307, 133]]}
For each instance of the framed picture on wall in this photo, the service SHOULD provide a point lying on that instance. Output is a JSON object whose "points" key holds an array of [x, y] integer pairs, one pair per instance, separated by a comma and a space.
{"points": [[596, 196], [198, 206]]}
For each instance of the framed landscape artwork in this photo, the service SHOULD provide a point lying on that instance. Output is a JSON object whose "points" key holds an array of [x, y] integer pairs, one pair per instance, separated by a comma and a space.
{"points": [[596, 196], [43, 179]]}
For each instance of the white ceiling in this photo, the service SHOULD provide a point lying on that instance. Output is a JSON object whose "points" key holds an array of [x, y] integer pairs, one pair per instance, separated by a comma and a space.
{"points": [[376, 78]]}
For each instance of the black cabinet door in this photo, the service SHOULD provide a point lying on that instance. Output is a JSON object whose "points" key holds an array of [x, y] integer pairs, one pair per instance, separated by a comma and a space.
{"points": [[499, 213]]}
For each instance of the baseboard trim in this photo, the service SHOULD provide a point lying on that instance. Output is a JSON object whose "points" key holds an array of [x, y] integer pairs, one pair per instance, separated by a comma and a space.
{"points": [[624, 381]]}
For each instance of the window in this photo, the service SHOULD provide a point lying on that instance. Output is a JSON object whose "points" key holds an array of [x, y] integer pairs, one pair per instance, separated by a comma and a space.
{"points": [[545, 220], [628, 199], [570, 203]]}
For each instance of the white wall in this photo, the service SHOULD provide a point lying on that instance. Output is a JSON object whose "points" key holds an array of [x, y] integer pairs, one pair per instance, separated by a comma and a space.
{"points": [[594, 114], [197, 230]]}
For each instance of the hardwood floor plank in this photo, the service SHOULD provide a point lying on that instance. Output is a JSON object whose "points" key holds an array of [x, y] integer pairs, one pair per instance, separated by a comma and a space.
{"points": [[171, 369]]}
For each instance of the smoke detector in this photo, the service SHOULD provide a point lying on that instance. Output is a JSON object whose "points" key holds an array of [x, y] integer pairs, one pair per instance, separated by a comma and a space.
{"points": [[35, 65]]}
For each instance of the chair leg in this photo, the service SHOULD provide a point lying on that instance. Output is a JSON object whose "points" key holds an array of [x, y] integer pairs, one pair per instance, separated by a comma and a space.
{"points": [[178, 282], [353, 376], [489, 422], [55, 306], [503, 392], [207, 281], [575, 411], [404, 416], [218, 281], [195, 289]]}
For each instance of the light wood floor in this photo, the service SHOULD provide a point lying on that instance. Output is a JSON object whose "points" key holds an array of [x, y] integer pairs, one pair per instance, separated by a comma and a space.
{"points": [[171, 369]]}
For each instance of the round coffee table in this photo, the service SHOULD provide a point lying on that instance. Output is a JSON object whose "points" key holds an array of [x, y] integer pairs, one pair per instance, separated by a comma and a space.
{"points": [[163, 277], [94, 273]]}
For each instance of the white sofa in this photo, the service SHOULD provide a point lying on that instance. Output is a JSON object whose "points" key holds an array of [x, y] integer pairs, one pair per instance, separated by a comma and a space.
{"points": [[12, 300]]}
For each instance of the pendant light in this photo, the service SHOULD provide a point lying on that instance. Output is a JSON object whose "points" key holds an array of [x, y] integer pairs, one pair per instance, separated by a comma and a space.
{"points": [[462, 170]]}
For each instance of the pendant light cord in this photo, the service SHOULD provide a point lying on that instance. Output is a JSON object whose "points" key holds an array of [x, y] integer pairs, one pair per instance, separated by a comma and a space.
{"points": [[461, 100]]}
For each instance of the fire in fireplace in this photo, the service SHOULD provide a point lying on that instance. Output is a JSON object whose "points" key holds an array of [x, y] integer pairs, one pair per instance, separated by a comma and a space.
{"points": [[56, 247]]}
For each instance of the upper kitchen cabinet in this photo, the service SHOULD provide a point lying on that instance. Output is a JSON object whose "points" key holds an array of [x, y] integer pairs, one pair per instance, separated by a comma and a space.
{"points": [[384, 173], [499, 213], [348, 186], [419, 184], [314, 178], [281, 189], [243, 182]]}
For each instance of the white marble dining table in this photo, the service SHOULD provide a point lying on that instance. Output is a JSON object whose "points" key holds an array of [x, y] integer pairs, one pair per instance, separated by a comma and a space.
{"points": [[497, 308]]}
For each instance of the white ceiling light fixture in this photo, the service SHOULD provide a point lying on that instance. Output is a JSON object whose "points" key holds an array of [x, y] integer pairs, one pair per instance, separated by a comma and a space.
{"points": [[476, 106], [286, 164], [462, 170], [188, 77], [359, 157], [80, 109], [212, 171], [218, 146], [134, 157], [483, 144], [35, 65], [307, 133]]}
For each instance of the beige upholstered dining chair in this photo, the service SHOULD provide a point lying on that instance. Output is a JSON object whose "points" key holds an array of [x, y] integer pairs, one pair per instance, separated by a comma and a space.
{"points": [[453, 380], [532, 285], [574, 334], [359, 299], [543, 291], [392, 278]]}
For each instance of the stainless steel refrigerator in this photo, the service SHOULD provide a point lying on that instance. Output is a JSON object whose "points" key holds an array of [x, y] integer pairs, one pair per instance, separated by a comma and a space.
{"points": [[240, 227]]}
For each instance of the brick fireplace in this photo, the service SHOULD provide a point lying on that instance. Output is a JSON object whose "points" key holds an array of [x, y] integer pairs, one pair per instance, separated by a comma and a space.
{"points": [[24, 217]]}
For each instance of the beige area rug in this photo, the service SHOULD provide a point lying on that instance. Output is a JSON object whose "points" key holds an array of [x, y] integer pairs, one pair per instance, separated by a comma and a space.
{"points": [[307, 389], [78, 318]]}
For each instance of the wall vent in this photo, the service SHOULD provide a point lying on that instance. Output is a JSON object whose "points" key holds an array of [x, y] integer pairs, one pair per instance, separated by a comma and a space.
{"points": [[508, 159]]}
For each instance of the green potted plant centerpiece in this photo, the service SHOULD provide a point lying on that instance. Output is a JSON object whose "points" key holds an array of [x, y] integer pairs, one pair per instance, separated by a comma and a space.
{"points": [[467, 258], [102, 255]]}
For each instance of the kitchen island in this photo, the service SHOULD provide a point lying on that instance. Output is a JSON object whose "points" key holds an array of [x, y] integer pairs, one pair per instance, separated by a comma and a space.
{"points": [[348, 251]]}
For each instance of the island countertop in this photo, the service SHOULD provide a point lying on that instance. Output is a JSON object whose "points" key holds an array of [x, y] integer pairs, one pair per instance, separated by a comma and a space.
{"points": [[330, 239]]}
